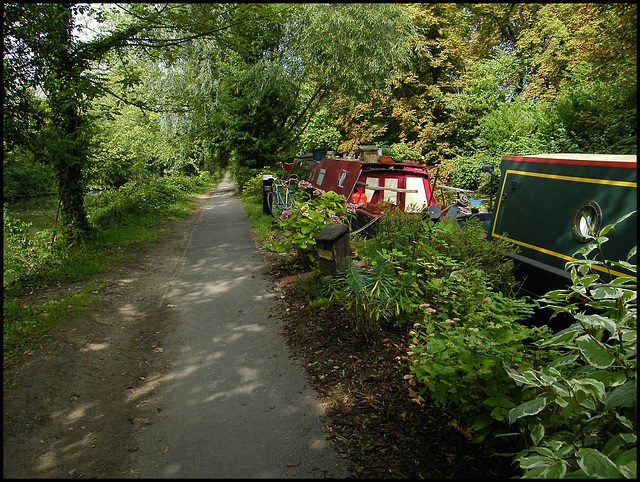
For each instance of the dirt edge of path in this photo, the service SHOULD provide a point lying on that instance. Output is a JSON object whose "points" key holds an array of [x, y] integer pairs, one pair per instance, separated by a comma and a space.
{"points": [[71, 406]]}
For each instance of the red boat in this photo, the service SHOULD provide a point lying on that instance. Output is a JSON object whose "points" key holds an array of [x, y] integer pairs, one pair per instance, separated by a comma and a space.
{"points": [[370, 185]]}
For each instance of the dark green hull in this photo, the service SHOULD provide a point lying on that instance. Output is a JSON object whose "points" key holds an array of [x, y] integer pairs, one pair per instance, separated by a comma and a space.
{"points": [[542, 200]]}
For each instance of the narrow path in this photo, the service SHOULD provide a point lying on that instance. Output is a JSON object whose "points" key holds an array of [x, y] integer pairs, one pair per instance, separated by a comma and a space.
{"points": [[233, 403]]}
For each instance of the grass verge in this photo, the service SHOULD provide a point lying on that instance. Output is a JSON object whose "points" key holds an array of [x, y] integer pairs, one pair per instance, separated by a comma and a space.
{"points": [[260, 222], [25, 322]]}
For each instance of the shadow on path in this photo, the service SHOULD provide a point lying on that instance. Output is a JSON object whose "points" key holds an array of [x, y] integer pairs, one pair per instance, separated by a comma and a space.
{"points": [[233, 403]]}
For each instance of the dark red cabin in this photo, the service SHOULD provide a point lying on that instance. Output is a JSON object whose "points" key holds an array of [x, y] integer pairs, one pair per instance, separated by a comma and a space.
{"points": [[408, 187]]}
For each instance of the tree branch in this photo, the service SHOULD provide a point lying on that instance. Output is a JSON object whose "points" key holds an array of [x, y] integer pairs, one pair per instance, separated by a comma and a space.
{"points": [[318, 95], [140, 105]]}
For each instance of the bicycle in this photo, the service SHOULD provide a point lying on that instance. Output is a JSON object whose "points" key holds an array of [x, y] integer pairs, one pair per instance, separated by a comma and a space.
{"points": [[281, 196]]}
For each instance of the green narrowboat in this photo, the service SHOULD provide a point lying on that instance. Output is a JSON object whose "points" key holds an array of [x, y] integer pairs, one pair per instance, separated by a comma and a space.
{"points": [[547, 204]]}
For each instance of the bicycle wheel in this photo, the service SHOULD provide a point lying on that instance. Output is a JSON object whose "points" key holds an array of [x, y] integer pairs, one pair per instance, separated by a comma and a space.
{"points": [[276, 206], [290, 191], [290, 202]]}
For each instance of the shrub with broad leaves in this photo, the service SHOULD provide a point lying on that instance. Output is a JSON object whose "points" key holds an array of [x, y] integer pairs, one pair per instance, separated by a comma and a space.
{"points": [[457, 350], [294, 228], [582, 418]]}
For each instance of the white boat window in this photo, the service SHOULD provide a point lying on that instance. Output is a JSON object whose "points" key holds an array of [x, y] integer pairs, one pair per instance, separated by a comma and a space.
{"points": [[374, 182], [391, 196], [586, 221], [415, 202]]}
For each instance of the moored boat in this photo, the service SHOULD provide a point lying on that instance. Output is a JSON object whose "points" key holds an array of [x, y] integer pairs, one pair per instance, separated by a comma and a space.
{"points": [[549, 204], [545, 204], [376, 183], [373, 185]]}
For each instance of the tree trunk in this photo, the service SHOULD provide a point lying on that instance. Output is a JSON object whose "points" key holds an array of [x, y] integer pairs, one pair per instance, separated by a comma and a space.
{"points": [[73, 216], [68, 149]]}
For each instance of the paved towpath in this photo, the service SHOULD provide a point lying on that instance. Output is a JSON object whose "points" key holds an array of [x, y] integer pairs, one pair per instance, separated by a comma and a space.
{"points": [[234, 403]]}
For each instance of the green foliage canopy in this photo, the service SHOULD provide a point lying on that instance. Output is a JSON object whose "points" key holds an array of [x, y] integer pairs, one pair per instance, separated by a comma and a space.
{"points": [[253, 84]]}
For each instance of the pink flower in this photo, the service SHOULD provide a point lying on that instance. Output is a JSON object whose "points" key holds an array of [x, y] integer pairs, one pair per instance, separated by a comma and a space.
{"points": [[351, 208], [286, 213]]}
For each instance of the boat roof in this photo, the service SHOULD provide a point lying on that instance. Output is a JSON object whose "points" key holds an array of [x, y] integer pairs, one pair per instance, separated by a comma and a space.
{"points": [[621, 159]]}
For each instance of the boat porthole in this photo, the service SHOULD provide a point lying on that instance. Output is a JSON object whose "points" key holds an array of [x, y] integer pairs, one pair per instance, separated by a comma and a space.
{"points": [[586, 221]]}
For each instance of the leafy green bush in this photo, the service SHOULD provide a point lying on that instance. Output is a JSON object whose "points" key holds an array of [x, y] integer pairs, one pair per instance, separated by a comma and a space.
{"points": [[321, 133], [31, 180], [595, 117], [465, 172], [29, 257], [249, 180], [141, 199], [397, 230], [385, 293], [419, 244], [582, 412], [22, 254], [295, 228], [253, 187], [120, 215], [457, 349], [399, 150], [468, 245], [411, 261], [421, 254], [243, 175], [514, 128]]}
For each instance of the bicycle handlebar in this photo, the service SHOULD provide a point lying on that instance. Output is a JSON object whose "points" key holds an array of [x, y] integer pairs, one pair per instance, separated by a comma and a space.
{"points": [[285, 182]]}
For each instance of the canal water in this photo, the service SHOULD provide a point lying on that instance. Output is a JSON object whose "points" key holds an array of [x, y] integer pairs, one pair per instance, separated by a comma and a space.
{"points": [[40, 212]]}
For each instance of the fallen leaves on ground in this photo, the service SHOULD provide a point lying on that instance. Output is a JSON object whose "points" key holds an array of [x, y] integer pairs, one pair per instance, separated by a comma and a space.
{"points": [[375, 415]]}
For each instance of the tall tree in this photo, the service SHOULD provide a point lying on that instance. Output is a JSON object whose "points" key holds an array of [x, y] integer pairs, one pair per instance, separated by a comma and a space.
{"points": [[262, 99], [346, 51], [414, 112], [41, 36]]}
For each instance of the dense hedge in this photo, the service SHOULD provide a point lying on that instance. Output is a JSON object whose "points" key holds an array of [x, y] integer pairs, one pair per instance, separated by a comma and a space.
{"points": [[19, 181]]}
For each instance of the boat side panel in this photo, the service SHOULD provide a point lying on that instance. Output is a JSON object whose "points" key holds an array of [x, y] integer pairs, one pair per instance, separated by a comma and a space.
{"points": [[574, 159], [337, 175], [537, 203], [341, 176]]}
